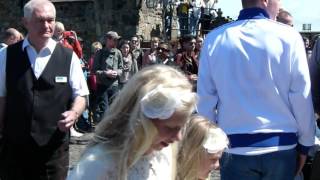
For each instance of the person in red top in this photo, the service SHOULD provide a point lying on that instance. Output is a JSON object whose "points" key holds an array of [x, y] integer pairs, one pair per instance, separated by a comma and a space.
{"points": [[95, 46], [69, 39]]}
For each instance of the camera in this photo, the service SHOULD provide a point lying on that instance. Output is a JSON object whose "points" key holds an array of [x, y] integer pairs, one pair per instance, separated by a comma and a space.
{"points": [[67, 34]]}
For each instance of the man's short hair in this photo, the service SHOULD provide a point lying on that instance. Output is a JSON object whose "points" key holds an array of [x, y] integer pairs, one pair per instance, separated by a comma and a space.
{"points": [[187, 38], [284, 17], [59, 26], [249, 3], [33, 4], [10, 32]]}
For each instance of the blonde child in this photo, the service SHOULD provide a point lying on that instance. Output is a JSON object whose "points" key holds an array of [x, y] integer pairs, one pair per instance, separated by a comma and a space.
{"points": [[200, 150], [134, 140]]}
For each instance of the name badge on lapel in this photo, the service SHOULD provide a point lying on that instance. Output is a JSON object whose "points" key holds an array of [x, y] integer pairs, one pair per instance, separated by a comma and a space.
{"points": [[61, 79]]}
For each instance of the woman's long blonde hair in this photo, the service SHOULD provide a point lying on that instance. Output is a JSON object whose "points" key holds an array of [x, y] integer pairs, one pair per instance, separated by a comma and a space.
{"points": [[191, 149], [126, 130]]}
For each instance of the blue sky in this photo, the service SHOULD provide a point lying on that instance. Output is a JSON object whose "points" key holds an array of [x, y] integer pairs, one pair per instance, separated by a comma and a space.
{"points": [[303, 11]]}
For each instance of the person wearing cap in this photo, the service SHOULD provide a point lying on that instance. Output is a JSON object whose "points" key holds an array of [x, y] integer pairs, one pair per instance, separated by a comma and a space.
{"points": [[254, 82], [108, 68]]}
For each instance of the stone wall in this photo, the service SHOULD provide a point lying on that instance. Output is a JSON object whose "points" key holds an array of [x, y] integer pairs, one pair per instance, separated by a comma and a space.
{"points": [[150, 22], [78, 16], [10, 14], [92, 18], [129, 17]]}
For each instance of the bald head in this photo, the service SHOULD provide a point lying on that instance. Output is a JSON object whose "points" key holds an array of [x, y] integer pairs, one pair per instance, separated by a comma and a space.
{"points": [[285, 17], [271, 6], [11, 36]]}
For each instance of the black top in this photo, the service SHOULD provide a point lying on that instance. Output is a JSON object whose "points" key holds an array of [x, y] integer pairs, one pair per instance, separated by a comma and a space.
{"points": [[34, 106]]}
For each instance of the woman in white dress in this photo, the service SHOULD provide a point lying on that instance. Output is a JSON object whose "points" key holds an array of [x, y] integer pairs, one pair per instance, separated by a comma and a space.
{"points": [[135, 139], [200, 150]]}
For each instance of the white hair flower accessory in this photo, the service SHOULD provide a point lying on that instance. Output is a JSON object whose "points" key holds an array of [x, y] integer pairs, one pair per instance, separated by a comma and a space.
{"points": [[215, 141], [160, 103]]}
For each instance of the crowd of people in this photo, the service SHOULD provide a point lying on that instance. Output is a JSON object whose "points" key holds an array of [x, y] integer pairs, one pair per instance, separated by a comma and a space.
{"points": [[193, 16], [243, 99], [112, 64]]}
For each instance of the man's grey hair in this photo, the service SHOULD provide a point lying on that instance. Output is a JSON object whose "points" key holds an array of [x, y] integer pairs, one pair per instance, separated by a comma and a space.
{"points": [[33, 4], [59, 26]]}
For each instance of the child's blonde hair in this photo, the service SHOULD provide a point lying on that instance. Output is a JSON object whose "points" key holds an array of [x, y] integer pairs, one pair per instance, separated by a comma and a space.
{"points": [[95, 46], [125, 128], [191, 149]]}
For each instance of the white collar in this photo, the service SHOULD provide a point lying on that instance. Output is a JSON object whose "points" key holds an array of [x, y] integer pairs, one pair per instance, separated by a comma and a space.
{"points": [[50, 45], [3, 44]]}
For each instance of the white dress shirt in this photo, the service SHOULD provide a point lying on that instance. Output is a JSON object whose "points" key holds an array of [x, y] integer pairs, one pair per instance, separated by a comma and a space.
{"points": [[38, 63]]}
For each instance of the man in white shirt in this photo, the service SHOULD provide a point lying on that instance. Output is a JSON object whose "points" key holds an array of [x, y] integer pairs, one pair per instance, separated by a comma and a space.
{"points": [[253, 81], [42, 91]]}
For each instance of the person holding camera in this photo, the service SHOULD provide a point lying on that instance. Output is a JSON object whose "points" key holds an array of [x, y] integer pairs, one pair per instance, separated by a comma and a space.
{"points": [[69, 39]]}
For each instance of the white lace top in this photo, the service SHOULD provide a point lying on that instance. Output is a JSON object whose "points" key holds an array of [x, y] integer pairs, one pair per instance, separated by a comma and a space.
{"points": [[98, 164]]}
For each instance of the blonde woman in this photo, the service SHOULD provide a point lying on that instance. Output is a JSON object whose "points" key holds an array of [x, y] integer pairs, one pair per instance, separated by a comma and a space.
{"points": [[200, 149], [134, 139]]}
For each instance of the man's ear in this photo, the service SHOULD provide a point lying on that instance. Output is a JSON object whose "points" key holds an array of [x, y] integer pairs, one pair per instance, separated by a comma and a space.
{"points": [[264, 3]]}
